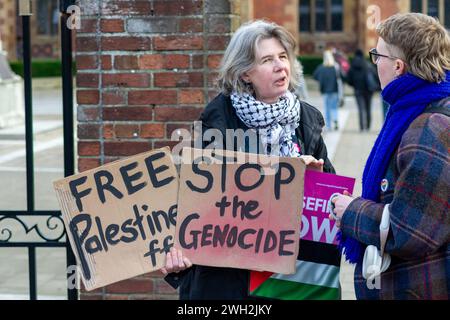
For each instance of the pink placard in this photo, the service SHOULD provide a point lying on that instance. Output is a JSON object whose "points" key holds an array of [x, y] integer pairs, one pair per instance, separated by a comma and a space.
{"points": [[319, 186]]}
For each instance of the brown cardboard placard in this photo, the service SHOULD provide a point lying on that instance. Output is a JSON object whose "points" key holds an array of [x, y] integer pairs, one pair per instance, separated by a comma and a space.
{"points": [[120, 217], [234, 211]]}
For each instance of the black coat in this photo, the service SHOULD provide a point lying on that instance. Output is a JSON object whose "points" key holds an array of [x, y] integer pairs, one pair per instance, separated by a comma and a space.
{"points": [[357, 76], [204, 282]]}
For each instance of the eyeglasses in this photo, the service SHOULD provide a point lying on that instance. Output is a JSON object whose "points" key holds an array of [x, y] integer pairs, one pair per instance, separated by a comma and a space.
{"points": [[375, 56]]}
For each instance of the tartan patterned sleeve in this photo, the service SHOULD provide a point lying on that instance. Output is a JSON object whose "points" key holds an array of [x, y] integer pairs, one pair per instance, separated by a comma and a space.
{"points": [[420, 220]]}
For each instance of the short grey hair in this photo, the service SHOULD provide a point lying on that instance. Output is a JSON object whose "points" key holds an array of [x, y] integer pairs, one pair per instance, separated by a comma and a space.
{"points": [[239, 57]]}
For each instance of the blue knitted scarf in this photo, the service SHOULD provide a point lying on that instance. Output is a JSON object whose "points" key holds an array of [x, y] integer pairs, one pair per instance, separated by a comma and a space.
{"points": [[408, 96]]}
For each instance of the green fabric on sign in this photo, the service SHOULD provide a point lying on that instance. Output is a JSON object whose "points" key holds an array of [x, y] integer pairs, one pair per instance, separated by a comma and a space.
{"points": [[289, 290]]}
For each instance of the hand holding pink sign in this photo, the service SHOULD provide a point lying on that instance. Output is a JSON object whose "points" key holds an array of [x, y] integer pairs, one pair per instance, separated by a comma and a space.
{"points": [[339, 202], [319, 187]]}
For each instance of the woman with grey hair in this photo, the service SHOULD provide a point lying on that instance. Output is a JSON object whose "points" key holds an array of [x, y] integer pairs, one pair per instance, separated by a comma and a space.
{"points": [[258, 78]]}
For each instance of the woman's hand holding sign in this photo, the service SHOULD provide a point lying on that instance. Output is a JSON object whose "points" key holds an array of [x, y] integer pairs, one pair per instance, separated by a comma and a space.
{"points": [[175, 262], [312, 163]]}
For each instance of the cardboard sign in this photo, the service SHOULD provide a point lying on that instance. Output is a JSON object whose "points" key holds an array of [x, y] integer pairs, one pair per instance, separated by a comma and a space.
{"points": [[240, 214], [316, 227], [120, 218]]}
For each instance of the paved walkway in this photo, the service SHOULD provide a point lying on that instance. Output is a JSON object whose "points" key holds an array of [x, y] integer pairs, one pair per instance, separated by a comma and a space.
{"points": [[348, 150]]}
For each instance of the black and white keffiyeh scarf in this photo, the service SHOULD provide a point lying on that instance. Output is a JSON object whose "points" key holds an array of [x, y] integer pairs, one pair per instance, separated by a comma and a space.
{"points": [[275, 123]]}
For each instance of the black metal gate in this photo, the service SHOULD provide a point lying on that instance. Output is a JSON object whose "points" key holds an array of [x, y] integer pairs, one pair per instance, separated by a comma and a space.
{"points": [[52, 219]]}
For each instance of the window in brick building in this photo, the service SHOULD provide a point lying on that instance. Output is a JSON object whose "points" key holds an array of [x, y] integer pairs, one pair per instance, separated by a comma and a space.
{"points": [[305, 16], [447, 13], [321, 15], [47, 17], [435, 8], [416, 6], [337, 9]]}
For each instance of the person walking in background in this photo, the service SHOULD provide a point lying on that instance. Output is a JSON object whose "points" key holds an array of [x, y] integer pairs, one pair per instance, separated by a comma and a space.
{"points": [[362, 77], [344, 65], [328, 75]]}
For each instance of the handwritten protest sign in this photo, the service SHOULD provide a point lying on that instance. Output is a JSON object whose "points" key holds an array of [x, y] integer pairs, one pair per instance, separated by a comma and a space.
{"points": [[318, 247], [120, 218], [231, 214]]}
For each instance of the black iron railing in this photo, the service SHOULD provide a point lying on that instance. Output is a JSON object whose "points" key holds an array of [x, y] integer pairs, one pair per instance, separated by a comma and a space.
{"points": [[44, 228]]}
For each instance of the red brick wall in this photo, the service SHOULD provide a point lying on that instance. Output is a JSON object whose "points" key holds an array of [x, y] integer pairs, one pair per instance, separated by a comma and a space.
{"points": [[8, 27], [144, 68], [355, 33], [386, 9], [282, 12]]}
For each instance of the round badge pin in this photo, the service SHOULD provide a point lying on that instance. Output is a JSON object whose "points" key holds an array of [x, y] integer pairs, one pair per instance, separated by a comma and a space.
{"points": [[384, 185]]}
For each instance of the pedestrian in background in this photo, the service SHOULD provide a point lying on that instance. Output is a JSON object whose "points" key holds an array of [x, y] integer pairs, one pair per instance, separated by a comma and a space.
{"points": [[362, 77], [328, 75], [344, 65]]}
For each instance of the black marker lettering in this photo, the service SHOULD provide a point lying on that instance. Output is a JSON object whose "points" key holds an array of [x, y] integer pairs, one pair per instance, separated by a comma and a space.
{"points": [[182, 231], [232, 237], [128, 180], [152, 171], [138, 222], [203, 173], [126, 228], [173, 215], [285, 242], [270, 237], [258, 240], [101, 187], [79, 240], [100, 232], [111, 231], [152, 250], [222, 205], [220, 235], [238, 176], [241, 241], [206, 235], [78, 195], [278, 181]]}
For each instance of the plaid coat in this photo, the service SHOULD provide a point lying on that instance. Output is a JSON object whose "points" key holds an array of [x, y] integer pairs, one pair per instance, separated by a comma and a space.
{"points": [[417, 187]]}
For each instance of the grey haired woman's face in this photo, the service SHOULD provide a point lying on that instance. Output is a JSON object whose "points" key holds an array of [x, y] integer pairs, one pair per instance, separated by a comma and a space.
{"points": [[270, 77]]}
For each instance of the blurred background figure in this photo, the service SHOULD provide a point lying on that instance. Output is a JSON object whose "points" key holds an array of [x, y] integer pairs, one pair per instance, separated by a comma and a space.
{"points": [[344, 65], [302, 89], [363, 78], [341, 60], [329, 76], [385, 106]]}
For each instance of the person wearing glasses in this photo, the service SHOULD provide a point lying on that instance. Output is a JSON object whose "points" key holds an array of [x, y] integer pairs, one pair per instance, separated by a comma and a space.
{"points": [[407, 173]]}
